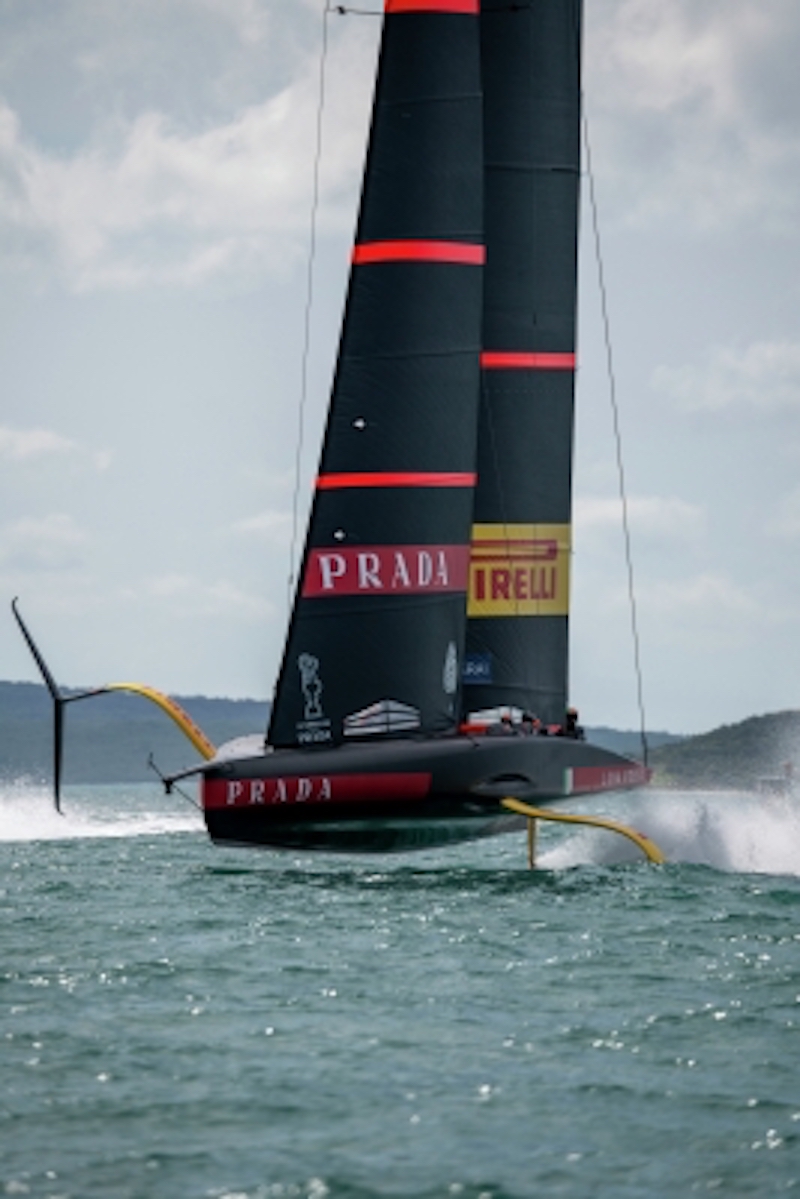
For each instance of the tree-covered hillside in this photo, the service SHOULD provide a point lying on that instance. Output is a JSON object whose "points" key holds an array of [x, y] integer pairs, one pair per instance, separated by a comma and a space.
{"points": [[738, 756]]}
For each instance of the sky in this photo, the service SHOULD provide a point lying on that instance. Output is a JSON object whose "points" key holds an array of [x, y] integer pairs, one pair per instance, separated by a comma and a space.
{"points": [[156, 181]]}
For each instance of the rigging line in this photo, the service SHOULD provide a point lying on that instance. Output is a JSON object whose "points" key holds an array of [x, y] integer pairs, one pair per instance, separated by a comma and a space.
{"points": [[617, 437], [170, 788], [309, 303], [185, 795]]}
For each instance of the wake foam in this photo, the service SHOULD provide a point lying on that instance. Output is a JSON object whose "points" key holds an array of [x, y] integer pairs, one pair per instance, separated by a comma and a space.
{"points": [[27, 813], [731, 830]]}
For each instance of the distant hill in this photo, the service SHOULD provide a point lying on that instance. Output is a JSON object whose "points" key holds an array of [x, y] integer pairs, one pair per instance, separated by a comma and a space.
{"points": [[109, 739], [628, 741], [733, 756]]}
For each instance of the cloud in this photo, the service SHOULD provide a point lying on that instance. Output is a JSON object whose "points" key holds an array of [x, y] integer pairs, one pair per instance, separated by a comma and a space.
{"points": [[652, 516], [33, 445], [707, 597], [709, 612], [271, 526], [786, 522], [21, 445], [49, 543], [694, 109], [196, 597], [765, 375], [145, 201], [248, 18]]}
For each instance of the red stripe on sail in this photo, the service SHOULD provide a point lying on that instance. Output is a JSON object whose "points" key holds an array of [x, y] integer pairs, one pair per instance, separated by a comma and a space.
{"points": [[408, 250], [502, 360], [389, 478], [462, 6]]}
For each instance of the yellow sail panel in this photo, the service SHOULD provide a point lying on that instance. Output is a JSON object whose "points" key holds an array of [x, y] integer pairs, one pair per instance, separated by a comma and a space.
{"points": [[519, 570]]}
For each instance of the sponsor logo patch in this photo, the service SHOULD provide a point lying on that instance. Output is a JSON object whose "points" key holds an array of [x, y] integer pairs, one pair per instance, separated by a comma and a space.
{"points": [[385, 570], [385, 716], [477, 669], [519, 570], [315, 727], [605, 778], [314, 789]]}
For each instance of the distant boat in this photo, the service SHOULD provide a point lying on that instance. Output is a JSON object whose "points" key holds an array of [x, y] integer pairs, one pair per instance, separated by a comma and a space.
{"points": [[784, 784], [424, 675]]}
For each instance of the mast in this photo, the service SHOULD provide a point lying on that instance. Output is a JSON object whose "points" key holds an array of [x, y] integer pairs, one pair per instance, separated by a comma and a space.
{"points": [[519, 572], [376, 638]]}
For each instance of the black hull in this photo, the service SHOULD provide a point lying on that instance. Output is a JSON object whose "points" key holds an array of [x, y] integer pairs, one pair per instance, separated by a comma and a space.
{"points": [[400, 796], [379, 835]]}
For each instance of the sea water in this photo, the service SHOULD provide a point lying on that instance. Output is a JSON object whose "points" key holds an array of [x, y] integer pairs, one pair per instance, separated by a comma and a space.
{"points": [[179, 1020]]}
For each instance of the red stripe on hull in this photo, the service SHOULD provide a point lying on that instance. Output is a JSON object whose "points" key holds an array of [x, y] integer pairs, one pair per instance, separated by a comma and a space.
{"points": [[469, 7], [500, 360], [608, 778], [463, 253], [386, 570], [313, 789], [388, 478]]}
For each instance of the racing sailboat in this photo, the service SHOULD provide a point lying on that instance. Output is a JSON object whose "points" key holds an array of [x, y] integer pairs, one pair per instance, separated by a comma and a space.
{"points": [[424, 676]]}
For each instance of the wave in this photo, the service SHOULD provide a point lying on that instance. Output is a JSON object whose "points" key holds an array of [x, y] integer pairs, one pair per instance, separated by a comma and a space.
{"points": [[27, 813], [730, 830]]}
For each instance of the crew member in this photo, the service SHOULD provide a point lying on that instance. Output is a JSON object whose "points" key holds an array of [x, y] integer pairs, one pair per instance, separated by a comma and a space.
{"points": [[571, 726]]}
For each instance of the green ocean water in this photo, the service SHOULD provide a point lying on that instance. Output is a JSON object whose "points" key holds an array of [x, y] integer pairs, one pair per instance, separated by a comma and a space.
{"points": [[180, 1021]]}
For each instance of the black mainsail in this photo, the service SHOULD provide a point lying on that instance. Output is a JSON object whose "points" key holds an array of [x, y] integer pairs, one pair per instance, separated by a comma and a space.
{"points": [[376, 638], [435, 577], [519, 576]]}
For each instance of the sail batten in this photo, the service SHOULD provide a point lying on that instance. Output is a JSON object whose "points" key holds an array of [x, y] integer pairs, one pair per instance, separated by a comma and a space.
{"points": [[398, 479], [408, 250], [527, 360], [467, 7]]}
